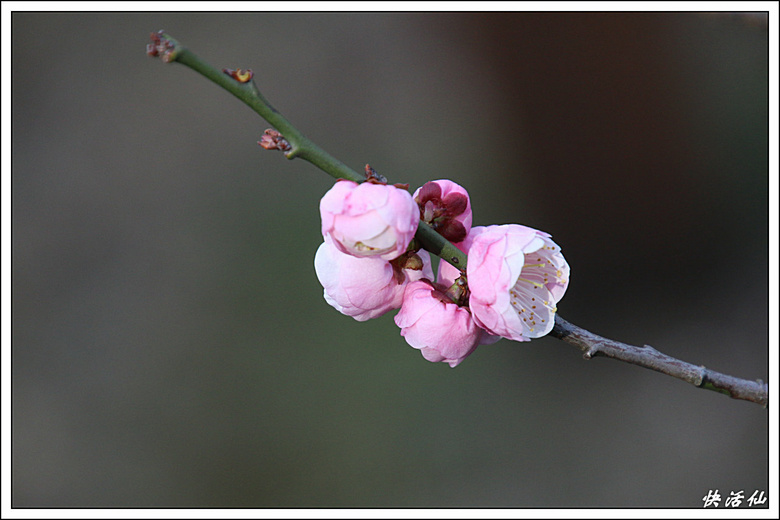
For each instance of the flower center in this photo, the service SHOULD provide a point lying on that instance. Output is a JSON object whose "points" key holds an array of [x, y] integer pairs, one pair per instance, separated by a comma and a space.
{"points": [[530, 296]]}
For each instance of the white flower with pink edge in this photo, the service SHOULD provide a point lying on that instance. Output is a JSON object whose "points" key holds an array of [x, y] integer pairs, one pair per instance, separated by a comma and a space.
{"points": [[516, 277]]}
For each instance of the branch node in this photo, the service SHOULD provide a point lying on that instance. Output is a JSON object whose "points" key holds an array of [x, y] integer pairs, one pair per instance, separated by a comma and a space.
{"points": [[273, 140], [701, 376], [650, 348], [374, 176], [240, 75]]}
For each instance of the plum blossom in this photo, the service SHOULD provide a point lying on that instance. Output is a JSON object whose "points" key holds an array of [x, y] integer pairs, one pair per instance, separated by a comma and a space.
{"points": [[448, 275], [516, 277], [365, 288], [369, 219], [432, 323], [445, 205]]}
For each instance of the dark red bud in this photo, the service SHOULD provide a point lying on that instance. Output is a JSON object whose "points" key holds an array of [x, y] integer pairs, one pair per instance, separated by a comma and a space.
{"points": [[453, 231], [430, 190], [455, 204]]}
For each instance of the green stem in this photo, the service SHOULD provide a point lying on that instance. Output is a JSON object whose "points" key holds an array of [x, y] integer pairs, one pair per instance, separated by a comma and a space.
{"points": [[247, 92], [302, 146], [434, 243]]}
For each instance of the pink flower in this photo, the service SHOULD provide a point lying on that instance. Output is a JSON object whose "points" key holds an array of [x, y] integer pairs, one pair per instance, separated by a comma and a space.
{"points": [[369, 219], [516, 276], [446, 207], [439, 328], [364, 288]]}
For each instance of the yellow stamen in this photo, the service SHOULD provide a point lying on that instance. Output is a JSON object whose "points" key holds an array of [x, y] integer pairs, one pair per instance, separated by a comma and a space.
{"points": [[537, 284]]}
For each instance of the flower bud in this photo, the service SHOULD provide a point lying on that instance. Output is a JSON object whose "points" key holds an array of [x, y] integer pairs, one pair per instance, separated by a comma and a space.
{"points": [[439, 328], [364, 288], [445, 206], [368, 219]]}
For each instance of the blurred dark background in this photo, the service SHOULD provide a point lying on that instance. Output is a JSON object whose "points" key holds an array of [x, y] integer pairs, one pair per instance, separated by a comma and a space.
{"points": [[171, 346]]}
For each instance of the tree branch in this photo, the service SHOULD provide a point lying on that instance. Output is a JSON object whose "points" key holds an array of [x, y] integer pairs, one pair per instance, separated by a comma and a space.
{"points": [[240, 84], [244, 88], [646, 356]]}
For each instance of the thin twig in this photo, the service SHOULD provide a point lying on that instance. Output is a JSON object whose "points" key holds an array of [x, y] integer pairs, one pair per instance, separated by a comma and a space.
{"points": [[646, 356], [240, 84], [170, 50]]}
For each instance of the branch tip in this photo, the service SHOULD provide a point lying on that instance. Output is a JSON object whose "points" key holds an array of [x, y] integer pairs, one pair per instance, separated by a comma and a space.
{"points": [[163, 46]]}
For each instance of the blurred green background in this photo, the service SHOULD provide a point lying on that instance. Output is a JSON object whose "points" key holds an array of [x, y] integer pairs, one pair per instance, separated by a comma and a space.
{"points": [[171, 346]]}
